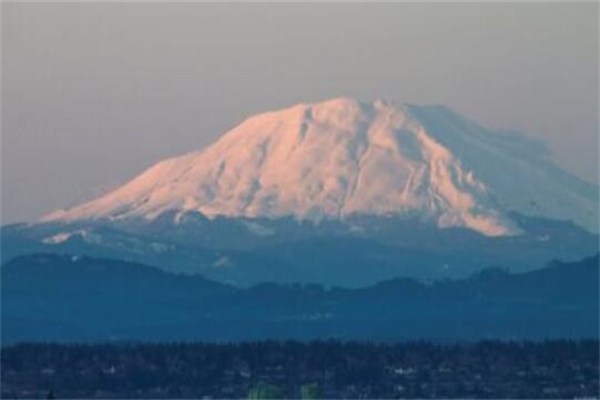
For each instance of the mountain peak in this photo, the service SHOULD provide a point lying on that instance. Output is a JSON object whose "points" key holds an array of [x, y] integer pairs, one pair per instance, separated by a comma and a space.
{"points": [[342, 157]]}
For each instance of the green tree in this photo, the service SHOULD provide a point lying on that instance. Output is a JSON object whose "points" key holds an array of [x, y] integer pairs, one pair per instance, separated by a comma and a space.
{"points": [[310, 391], [264, 391]]}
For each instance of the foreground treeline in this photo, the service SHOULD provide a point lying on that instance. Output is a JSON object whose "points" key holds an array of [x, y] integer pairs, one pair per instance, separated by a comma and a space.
{"points": [[322, 369]]}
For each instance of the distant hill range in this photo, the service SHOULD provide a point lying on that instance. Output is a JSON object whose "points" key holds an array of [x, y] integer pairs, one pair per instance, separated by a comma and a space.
{"points": [[77, 298]]}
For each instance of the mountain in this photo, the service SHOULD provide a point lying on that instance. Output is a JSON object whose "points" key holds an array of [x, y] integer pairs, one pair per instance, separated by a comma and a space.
{"points": [[344, 158], [74, 298], [340, 193]]}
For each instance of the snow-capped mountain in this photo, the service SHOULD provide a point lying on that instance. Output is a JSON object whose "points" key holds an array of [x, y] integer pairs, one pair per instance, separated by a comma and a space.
{"points": [[342, 157]]}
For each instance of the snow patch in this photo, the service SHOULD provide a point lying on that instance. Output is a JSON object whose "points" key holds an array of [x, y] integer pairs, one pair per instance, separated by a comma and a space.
{"points": [[222, 262], [58, 238], [62, 237], [258, 229]]}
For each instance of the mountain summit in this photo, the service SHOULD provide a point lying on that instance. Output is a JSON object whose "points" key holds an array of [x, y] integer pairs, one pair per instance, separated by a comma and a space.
{"points": [[343, 157]]}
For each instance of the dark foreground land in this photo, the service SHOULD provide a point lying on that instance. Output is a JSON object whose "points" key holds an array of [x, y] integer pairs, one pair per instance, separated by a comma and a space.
{"points": [[326, 369]]}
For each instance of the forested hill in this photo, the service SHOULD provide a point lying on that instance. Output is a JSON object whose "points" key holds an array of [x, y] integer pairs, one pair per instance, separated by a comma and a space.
{"points": [[66, 298]]}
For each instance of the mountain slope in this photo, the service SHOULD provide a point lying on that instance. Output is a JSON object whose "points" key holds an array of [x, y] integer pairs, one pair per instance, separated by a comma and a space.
{"points": [[353, 252], [341, 158]]}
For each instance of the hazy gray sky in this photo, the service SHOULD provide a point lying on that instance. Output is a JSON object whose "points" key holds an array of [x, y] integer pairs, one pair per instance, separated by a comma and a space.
{"points": [[95, 93]]}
